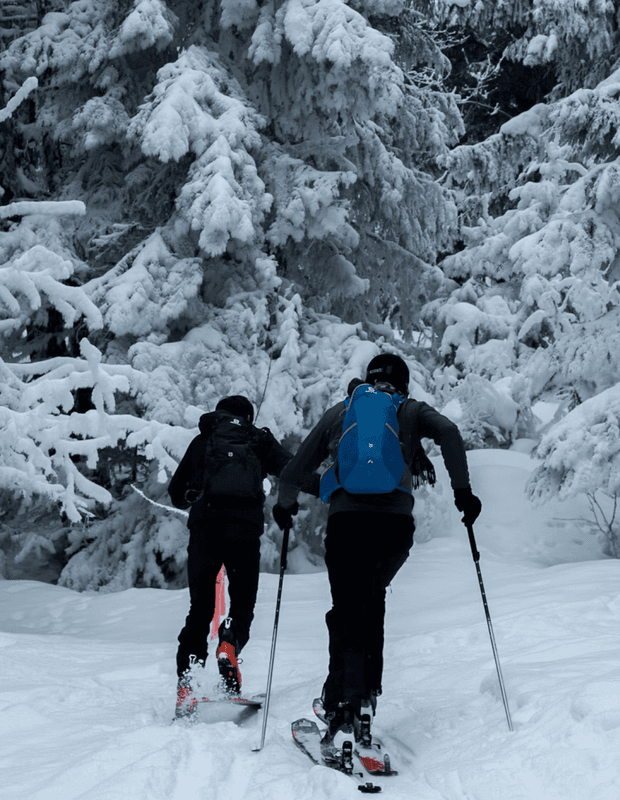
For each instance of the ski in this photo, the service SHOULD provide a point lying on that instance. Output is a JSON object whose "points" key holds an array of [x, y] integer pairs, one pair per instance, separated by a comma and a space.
{"points": [[235, 709], [369, 752], [307, 736]]}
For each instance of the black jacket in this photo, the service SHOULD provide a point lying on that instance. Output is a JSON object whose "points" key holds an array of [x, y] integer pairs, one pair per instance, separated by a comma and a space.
{"points": [[423, 422], [189, 475]]}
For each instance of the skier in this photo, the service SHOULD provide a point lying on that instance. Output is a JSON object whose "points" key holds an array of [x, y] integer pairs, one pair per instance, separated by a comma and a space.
{"points": [[367, 541], [220, 478]]}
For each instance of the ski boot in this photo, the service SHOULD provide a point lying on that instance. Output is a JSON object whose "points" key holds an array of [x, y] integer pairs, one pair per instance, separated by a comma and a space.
{"points": [[186, 697], [367, 712], [339, 740], [186, 701], [227, 661]]}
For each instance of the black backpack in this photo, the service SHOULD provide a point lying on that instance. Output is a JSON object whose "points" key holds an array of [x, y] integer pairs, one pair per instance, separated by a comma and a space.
{"points": [[232, 466]]}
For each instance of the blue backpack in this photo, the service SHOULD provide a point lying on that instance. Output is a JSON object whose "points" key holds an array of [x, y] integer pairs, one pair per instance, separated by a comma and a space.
{"points": [[368, 459]]}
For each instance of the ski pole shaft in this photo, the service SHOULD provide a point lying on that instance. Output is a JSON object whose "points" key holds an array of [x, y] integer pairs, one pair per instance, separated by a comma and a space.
{"points": [[476, 556], [275, 634]]}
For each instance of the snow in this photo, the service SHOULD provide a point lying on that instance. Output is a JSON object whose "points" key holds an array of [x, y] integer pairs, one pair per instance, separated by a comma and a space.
{"points": [[24, 208], [30, 84], [89, 684], [529, 122], [580, 453], [150, 23]]}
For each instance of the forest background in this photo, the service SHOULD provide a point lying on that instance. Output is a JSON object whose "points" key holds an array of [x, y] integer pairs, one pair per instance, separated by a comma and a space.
{"points": [[200, 199]]}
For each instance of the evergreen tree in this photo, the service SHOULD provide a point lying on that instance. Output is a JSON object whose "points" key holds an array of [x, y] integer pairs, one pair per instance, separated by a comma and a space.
{"points": [[581, 454], [261, 211], [577, 40], [536, 280]]}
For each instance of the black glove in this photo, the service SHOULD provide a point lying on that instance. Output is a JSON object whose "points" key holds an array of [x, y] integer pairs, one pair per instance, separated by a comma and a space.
{"points": [[284, 516], [191, 495], [467, 502]]}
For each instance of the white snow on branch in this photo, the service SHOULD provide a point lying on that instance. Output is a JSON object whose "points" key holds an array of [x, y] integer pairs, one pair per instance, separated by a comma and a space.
{"points": [[56, 208], [581, 453], [529, 122], [159, 505], [22, 93], [36, 273], [150, 23]]}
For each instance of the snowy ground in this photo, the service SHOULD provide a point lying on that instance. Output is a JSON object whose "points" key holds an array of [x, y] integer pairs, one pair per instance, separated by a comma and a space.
{"points": [[88, 680]]}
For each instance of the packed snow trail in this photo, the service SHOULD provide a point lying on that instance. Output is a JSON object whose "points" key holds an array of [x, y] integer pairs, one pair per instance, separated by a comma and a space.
{"points": [[89, 681]]}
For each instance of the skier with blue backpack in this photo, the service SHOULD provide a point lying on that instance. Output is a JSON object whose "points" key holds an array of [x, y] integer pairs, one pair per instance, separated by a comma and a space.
{"points": [[369, 447]]}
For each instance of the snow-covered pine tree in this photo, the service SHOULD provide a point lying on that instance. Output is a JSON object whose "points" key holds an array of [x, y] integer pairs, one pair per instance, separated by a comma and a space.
{"points": [[261, 213], [538, 281], [577, 39], [57, 400], [581, 455]]}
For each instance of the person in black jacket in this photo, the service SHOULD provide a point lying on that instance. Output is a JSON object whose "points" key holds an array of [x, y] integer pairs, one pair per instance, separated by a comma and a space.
{"points": [[220, 479], [367, 541]]}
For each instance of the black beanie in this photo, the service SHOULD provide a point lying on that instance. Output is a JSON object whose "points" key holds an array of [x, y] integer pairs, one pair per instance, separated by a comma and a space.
{"points": [[391, 369], [237, 404]]}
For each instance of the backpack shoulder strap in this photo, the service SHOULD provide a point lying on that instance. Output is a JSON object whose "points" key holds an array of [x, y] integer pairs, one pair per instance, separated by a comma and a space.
{"points": [[407, 425]]}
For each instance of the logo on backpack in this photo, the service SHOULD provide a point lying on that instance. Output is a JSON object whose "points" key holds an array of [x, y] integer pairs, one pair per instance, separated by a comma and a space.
{"points": [[368, 457]]}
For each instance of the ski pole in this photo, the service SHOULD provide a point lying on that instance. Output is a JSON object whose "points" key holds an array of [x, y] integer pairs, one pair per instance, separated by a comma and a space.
{"points": [[272, 657], [476, 556]]}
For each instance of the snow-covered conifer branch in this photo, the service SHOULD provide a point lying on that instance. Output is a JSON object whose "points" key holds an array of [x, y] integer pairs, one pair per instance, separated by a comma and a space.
{"points": [[54, 208], [29, 85]]}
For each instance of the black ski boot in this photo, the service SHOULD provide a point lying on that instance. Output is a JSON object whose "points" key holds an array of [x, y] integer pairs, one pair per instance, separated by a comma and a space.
{"points": [[339, 740], [227, 661], [367, 712]]}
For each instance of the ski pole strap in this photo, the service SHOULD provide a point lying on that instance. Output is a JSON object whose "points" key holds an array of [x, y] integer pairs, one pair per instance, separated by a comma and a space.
{"points": [[472, 543]]}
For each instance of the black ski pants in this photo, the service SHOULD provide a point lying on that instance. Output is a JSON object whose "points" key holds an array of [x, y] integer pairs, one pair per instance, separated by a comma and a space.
{"points": [[363, 553], [219, 539]]}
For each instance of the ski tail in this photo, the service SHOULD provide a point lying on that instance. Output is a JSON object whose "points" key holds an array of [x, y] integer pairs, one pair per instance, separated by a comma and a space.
{"points": [[376, 766]]}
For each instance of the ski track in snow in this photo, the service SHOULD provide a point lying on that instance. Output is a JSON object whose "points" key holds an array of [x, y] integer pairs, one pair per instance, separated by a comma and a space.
{"points": [[88, 684]]}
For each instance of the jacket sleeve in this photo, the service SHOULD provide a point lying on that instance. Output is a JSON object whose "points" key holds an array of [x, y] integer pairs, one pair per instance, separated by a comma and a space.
{"points": [[273, 456], [185, 476], [300, 474], [276, 458], [433, 425]]}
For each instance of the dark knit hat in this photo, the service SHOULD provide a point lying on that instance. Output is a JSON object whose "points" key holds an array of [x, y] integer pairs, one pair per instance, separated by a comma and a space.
{"points": [[237, 404], [391, 369]]}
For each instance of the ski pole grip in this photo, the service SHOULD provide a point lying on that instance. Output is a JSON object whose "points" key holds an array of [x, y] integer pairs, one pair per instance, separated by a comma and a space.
{"points": [[472, 543]]}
